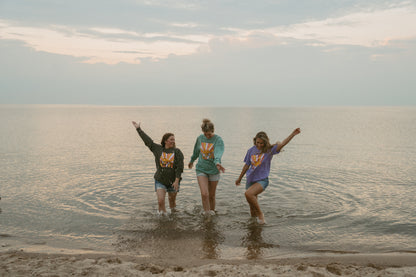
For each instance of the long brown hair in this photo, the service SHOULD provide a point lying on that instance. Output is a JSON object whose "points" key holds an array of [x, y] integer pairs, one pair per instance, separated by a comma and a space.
{"points": [[207, 125], [165, 137], [263, 136]]}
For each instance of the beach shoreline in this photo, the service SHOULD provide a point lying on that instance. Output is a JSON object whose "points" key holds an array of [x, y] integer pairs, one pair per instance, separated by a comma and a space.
{"points": [[21, 263]]}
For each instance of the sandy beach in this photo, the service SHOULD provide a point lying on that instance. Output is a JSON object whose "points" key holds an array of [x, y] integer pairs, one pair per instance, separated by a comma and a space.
{"points": [[20, 263]]}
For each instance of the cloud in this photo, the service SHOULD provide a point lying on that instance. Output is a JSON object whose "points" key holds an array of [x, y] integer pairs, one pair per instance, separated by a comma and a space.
{"points": [[172, 4], [369, 28], [102, 45], [190, 25]]}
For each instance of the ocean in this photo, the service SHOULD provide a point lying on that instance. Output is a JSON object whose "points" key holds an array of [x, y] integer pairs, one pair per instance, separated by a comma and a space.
{"points": [[79, 179]]}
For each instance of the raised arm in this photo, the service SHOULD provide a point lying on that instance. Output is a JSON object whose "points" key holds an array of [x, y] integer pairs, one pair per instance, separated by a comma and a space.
{"points": [[137, 126], [146, 139], [288, 139]]}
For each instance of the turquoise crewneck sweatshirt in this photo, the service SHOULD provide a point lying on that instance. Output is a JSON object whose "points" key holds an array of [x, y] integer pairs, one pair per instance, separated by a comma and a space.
{"points": [[209, 153]]}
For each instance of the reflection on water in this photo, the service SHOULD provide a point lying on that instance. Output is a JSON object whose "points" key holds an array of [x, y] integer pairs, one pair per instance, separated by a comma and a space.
{"points": [[212, 238], [187, 236], [347, 183], [254, 241], [178, 235]]}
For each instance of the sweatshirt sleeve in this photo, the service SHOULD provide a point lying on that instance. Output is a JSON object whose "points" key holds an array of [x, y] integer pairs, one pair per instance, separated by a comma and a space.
{"points": [[247, 158], [218, 150], [146, 139], [179, 163], [195, 154]]}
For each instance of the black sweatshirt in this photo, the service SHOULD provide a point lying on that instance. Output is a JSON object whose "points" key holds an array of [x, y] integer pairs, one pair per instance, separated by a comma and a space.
{"points": [[169, 162]]}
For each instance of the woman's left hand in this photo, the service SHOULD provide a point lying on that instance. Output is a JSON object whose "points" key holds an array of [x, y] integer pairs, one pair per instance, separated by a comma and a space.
{"points": [[220, 168], [176, 186]]}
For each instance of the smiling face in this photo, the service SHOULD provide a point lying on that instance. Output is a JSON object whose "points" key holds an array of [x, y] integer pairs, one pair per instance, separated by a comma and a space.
{"points": [[209, 134], [170, 142], [260, 143]]}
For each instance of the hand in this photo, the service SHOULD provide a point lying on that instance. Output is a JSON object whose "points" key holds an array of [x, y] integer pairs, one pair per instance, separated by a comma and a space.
{"points": [[220, 168], [135, 124], [238, 182], [176, 186], [296, 131], [190, 165]]}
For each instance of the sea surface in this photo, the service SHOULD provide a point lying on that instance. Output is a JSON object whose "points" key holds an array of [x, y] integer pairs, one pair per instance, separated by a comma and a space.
{"points": [[78, 178]]}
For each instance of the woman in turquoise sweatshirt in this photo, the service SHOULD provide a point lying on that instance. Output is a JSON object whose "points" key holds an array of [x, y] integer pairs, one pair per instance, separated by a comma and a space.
{"points": [[208, 149], [169, 167]]}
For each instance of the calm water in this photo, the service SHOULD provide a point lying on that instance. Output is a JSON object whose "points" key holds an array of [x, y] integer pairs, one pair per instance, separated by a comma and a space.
{"points": [[79, 177]]}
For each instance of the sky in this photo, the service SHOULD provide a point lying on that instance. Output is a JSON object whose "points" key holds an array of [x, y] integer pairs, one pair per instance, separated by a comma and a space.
{"points": [[208, 52]]}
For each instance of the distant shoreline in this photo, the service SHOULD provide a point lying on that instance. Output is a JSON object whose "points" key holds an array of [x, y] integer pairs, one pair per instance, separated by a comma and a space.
{"points": [[201, 106]]}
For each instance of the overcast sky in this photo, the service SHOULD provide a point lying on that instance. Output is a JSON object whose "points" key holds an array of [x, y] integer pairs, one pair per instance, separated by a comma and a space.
{"points": [[208, 52]]}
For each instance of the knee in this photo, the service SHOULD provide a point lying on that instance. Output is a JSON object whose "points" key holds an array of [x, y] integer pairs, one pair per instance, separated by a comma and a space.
{"points": [[161, 202], [249, 196], [204, 195]]}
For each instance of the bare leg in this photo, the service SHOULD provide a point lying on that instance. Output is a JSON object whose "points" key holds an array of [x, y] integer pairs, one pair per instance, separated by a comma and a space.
{"points": [[203, 186], [251, 196], [253, 211], [161, 193], [172, 199], [212, 188]]}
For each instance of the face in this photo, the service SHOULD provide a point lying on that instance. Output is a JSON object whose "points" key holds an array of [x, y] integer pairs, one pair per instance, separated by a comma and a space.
{"points": [[170, 142], [209, 134], [260, 143]]}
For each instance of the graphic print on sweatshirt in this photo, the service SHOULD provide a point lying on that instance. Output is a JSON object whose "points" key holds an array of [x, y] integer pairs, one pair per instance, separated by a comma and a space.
{"points": [[167, 159], [256, 160], [207, 150]]}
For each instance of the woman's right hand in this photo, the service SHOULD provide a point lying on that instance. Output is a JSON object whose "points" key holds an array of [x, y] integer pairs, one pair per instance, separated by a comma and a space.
{"points": [[190, 165], [135, 124]]}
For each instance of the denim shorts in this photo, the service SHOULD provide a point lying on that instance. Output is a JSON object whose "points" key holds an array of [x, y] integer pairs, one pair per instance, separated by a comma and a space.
{"points": [[159, 185], [211, 177], [264, 183]]}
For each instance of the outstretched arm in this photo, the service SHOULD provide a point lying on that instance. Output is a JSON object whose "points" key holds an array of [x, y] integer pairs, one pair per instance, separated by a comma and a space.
{"points": [[146, 139], [288, 139]]}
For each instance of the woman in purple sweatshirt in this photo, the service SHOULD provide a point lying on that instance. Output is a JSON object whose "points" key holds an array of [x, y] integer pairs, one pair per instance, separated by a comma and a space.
{"points": [[257, 166]]}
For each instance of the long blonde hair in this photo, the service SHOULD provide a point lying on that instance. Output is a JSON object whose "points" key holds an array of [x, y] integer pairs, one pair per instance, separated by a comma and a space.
{"points": [[263, 136], [207, 125]]}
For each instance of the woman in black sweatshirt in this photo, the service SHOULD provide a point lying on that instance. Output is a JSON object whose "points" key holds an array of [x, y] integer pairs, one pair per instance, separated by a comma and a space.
{"points": [[169, 167]]}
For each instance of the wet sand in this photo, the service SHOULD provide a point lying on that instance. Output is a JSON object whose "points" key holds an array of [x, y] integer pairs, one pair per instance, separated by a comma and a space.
{"points": [[20, 263]]}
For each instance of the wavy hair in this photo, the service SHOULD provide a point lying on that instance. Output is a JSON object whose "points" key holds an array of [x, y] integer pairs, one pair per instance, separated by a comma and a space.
{"points": [[263, 136]]}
